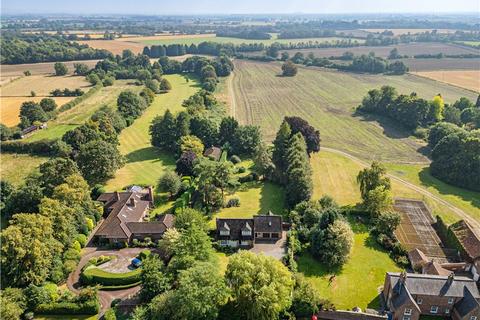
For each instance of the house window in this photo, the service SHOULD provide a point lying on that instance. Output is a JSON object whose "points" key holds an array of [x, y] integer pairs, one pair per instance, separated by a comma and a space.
{"points": [[419, 300], [265, 235], [406, 318], [246, 233], [450, 300], [408, 312], [224, 232], [275, 235], [434, 309], [223, 242], [245, 243], [473, 318], [447, 311]]}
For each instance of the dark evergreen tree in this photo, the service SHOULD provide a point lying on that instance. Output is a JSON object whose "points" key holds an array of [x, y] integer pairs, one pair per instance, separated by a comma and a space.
{"points": [[163, 132], [299, 184]]}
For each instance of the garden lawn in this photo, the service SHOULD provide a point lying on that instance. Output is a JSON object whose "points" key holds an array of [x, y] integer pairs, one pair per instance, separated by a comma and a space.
{"points": [[145, 163], [358, 282], [255, 198]]}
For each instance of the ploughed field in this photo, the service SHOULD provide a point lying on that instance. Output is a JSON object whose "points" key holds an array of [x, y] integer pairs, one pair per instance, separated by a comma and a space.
{"points": [[327, 98]]}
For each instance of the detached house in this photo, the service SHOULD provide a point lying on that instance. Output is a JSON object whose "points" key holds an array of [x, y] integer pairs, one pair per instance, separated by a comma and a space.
{"points": [[245, 232], [126, 215], [410, 295]]}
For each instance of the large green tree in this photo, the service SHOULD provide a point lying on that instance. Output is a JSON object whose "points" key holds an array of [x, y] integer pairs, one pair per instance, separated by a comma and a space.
{"points": [[299, 186], [163, 131], [98, 161], [154, 278], [261, 286], [54, 172], [371, 178], [280, 146], [28, 250]]}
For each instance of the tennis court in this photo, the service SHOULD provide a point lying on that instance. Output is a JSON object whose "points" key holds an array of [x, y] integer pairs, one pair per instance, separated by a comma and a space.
{"points": [[416, 230]]}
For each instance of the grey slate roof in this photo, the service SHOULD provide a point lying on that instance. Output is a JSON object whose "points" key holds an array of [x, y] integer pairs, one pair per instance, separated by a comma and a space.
{"points": [[435, 285], [467, 304], [267, 223], [235, 227], [401, 296]]}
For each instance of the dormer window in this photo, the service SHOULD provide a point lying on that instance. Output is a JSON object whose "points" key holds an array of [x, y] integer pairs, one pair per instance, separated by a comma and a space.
{"points": [[419, 301], [224, 232], [408, 312], [434, 309], [450, 300]]}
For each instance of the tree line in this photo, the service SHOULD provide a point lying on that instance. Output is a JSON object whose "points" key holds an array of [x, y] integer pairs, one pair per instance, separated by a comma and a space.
{"points": [[31, 48]]}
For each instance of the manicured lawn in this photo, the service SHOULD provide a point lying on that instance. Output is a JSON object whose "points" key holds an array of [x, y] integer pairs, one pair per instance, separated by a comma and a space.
{"points": [[358, 281], [144, 163], [255, 198], [468, 201], [15, 167]]}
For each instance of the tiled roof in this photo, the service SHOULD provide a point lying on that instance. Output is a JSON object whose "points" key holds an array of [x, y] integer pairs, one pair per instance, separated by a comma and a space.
{"points": [[416, 256], [235, 227], [267, 223], [467, 304], [435, 268], [146, 227], [121, 212], [436, 285]]}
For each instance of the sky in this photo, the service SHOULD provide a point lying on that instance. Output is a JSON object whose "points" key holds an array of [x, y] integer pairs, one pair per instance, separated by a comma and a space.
{"points": [[189, 7]]}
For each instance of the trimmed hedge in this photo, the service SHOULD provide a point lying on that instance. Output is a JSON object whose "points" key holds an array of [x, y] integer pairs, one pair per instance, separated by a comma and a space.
{"points": [[93, 275], [69, 308], [40, 147], [126, 286]]}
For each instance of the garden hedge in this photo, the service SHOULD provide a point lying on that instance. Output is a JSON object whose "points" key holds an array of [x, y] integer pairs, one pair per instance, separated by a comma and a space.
{"points": [[69, 308], [93, 275]]}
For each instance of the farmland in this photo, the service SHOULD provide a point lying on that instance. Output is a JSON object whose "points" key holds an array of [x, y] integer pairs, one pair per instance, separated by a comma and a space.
{"points": [[15, 93], [145, 164], [136, 44], [409, 49], [326, 99], [400, 31], [432, 64], [76, 116], [468, 79]]}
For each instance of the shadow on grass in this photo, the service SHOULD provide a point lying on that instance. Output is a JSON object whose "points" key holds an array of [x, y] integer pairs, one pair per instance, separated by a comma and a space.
{"points": [[428, 180], [272, 198], [311, 267], [390, 128], [150, 153], [376, 303]]}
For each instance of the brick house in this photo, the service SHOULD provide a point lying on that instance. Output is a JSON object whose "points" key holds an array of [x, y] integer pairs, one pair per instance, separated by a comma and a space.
{"points": [[470, 242], [245, 232], [126, 215], [410, 295]]}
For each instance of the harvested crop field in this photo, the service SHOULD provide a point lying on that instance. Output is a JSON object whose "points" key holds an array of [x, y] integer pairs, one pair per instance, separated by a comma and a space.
{"points": [[16, 70], [16, 92], [417, 65], [14, 168], [10, 107], [468, 79], [76, 116], [115, 46], [416, 230], [327, 100], [409, 49]]}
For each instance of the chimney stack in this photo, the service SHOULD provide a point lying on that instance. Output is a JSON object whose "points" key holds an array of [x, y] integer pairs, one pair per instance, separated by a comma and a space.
{"points": [[116, 196], [150, 195], [132, 202], [450, 279]]}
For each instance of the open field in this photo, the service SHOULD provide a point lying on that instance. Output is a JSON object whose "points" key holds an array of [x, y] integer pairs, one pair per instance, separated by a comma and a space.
{"points": [[15, 167], [468, 201], [468, 79], [411, 31], [76, 116], [409, 49], [432, 64], [326, 99], [357, 282], [42, 85], [10, 107], [145, 164], [16, 70], [335, 175], [136, 44]]}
